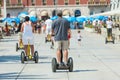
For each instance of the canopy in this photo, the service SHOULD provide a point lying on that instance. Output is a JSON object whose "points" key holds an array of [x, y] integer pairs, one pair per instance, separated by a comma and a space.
{"points": [[53, 18], [109, 13], [44, 13], [33, 19], [81, 18], [32, 13], [66, 13]]}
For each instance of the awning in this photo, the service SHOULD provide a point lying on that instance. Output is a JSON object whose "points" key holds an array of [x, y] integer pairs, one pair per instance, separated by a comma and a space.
{"points": [[66, 13], [32, 13], [109, 13], [44, 13]]}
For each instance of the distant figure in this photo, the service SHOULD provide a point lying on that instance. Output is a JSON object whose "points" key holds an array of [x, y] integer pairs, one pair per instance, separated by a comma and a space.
{"points": [[48, 24], [109, 27], [38, 25], [7, 29]]}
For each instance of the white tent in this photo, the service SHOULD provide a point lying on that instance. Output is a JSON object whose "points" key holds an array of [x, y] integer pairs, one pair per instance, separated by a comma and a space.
{"points": [[109, 13]]}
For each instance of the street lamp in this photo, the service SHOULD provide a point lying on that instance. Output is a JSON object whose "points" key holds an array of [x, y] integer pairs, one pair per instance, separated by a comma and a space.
{"points": [[5, 9], [55, 3], [27, 4]]}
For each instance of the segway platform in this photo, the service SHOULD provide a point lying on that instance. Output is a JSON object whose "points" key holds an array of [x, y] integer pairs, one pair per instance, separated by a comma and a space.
{"points": [[29, 58], [69, 66], [111, 40]]}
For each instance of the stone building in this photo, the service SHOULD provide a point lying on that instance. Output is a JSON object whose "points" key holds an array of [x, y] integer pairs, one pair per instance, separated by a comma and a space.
{"points": [[42, 8]]}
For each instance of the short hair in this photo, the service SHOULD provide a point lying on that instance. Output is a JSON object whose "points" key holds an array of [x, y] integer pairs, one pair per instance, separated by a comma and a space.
{"points": [[27, 18], [59, 13]]}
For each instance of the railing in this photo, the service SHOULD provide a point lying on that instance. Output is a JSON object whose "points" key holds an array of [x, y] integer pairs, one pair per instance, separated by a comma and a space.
{"points": [[100, 3], [19, 5]]}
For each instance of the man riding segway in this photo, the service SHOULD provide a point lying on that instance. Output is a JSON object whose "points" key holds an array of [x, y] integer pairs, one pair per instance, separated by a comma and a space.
{"points": [[60, 29]]}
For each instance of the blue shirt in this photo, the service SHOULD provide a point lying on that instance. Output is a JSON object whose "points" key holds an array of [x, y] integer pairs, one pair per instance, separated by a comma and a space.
{"points": [[61, 27]]}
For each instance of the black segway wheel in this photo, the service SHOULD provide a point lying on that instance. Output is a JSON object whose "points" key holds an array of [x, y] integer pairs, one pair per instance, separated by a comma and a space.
{"points": [[36, 57], [113, 41], [54, 64], [22, 57], [45, 39], [16, 46], [70, 64], [106, 41]]}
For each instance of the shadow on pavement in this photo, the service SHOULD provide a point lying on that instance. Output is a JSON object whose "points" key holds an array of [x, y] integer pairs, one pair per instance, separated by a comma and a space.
{"points": [[8, 40], [15, 76], [8, 75], [9, 58], [87, 70]]}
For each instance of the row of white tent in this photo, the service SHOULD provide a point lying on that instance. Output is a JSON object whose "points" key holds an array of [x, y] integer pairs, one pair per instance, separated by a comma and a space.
{"points": [[108, 13]]}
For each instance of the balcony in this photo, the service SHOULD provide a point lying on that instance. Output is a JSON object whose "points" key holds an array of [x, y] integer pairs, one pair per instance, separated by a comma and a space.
{"points": [[19, 5], [97, 3]]}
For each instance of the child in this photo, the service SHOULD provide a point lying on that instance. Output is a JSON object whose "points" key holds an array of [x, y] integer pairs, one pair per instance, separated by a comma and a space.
{"points": [[79, 37]]}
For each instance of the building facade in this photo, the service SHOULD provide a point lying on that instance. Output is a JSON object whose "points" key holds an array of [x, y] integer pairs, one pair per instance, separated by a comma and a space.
{"points": [[49, 7], [115, 5]]}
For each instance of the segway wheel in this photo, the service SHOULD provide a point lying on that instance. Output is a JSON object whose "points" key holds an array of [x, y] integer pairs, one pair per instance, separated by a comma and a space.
{"points": [[113, 41], [36, 57], [54, 64], [16, 46], [106, 41], [22, 57], [45, 39], [70, 64]]}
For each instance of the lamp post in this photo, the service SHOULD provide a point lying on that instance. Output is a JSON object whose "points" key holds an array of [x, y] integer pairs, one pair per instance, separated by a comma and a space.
{"points": [[5, 9], [56, 2], [27, 4]]}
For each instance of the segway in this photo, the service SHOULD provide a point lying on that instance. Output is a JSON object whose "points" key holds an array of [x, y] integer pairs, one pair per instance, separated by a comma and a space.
{"points": [[110, 38], [48, 38], [69, 66], [29, 57], [19, 46]]}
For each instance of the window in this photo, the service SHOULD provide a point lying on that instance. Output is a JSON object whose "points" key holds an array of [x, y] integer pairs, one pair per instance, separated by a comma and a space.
{"points": [[33, 2], [44, 2], [77, 2], [90, 1], [7, 2], [66, 2], [55, 2], [19, 2], [91, 13]]}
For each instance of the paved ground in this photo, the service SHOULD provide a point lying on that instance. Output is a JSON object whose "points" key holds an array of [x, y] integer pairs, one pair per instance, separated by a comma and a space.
{"points": [[93, 60]]}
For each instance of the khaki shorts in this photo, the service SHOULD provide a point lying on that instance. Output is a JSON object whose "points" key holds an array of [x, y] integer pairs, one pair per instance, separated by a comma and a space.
{"points": [[20, 35], [61, 45]]}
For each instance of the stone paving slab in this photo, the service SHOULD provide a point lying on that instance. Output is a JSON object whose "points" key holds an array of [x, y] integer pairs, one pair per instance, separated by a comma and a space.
{"points": [[93, 60]]}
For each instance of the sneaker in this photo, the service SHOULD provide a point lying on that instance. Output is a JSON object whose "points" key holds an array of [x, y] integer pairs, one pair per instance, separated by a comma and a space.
{"points": [[65, 64], [60, 64]]}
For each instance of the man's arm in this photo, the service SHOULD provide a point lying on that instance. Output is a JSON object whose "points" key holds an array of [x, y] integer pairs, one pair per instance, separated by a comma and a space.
{"points": [[52, 29], [33, 27], [22, 28]]}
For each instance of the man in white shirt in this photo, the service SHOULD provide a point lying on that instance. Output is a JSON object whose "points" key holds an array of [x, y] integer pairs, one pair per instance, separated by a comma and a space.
{"points": [[109, 27], [48, 24]]}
